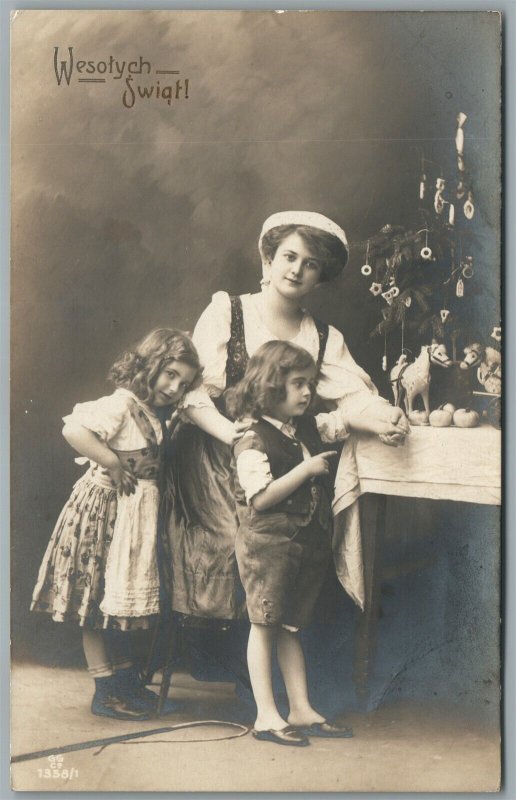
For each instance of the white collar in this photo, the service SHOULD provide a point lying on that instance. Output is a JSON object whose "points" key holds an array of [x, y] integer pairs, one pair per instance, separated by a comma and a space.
{"points": [[285, 427]]}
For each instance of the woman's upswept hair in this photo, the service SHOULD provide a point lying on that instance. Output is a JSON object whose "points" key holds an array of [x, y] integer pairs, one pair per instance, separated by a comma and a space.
{"points": [[264, 383], [325, 247], [138, 369]]}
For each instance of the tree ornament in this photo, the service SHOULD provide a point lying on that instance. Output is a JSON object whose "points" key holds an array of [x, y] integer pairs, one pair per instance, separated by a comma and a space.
{"points": [[422, 186], [426, 253], [408, 301], [459, 289], [387, 296], [496, 333], [469, 208], [384, 363], [459, 136], [375, 288], [461, 190], [467, 267], [366, 269], [451, 214], [444, 314], [394, 291]]}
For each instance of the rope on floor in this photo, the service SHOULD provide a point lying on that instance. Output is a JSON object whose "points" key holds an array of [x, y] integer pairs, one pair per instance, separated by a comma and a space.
{"points": [[126, 738]]}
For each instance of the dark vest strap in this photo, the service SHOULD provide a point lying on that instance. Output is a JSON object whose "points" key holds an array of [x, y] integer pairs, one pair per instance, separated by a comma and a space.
{"points": [[323, 330], [237, 359]]}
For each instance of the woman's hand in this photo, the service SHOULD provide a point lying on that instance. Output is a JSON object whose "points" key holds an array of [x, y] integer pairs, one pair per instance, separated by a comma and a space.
{"points": [[123, 479], [400, 422], [389, 422], [319, 465]]}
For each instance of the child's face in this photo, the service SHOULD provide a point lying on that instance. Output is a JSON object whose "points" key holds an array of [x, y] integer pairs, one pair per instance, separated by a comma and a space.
{"points": [[298, 387], [293, 271], [171, 384]]}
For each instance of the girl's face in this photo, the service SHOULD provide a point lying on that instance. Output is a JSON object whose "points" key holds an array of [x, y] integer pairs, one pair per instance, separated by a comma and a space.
{"points": [[172, 382], [298, 388], [293, 272]]}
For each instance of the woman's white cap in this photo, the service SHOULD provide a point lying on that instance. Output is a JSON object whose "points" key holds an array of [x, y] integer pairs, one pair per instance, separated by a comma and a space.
{"points": [[310, 218]]}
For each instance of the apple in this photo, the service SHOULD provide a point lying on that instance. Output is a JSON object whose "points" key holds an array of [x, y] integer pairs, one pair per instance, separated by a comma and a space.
{"points": [[466, 418], [418, 418], [440, 418]]}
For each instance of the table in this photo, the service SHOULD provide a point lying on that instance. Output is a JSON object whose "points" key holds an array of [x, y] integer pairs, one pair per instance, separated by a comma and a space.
{"points": [[458, 464]]}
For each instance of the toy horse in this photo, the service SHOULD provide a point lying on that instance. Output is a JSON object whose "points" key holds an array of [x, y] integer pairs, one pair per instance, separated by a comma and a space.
{"points": [[412, 380]]}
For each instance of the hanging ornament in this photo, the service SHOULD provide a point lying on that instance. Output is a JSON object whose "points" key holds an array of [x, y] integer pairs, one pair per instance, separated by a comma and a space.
{"points": [[387, 296], [460, 163], [426, 253], [367, 268], [469, 208], [438, 203], [422, 186], [384, 358], [440, 186], [408, 301], [459, 289], [375, 288], [459, 136], [392, 280], [394, 291], [461, 190], [496, 333], [467, 267], [384, 363], [444, 315], [451, 214]]}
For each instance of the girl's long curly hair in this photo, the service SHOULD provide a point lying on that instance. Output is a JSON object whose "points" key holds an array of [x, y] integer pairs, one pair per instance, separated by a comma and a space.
{"points": [[264, 383], [138, 369]]}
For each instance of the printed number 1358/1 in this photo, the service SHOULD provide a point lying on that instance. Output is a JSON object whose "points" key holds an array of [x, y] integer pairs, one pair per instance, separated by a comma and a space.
{"points": [[64, 774]]}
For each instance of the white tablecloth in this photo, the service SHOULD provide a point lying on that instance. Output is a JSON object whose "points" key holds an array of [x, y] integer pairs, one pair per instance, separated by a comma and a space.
{"points": [[461, 464]]}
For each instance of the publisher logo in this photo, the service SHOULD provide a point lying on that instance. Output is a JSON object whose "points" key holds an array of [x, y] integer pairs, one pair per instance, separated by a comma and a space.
{"points": [[136, 77]]}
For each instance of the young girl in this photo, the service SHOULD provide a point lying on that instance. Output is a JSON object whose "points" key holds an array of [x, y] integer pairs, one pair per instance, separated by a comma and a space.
{"points": [[101, 567], [283, 543]]}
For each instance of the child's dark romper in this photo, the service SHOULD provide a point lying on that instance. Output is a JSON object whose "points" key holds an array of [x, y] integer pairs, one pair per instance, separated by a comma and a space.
{"points": [[283, 552]]}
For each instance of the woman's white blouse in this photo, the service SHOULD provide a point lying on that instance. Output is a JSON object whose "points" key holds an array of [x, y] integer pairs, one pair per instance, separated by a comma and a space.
{"points": [[341, 379], [109, 417]]}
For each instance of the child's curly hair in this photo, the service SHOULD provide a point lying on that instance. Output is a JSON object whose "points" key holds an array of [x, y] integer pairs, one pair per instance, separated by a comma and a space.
{"points": [[325, 247], [138, 369], [264, 383]]}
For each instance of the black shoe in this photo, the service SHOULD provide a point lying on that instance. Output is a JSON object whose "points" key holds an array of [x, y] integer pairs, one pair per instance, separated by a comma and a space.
{"points": [[110, 705]]}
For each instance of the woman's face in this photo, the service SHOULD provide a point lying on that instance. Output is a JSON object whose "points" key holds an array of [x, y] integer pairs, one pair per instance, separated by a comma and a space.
{"points": [[294, 271]]}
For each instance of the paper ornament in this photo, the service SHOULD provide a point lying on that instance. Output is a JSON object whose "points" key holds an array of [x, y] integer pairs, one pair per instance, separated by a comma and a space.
{"points": [[366, 269], [444, 315], [426, 253], [375, 288], [459, 289]]}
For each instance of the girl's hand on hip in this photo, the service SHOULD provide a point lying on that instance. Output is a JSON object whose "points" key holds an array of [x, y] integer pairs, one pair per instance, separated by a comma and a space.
{"points": [[319, 465], [123, 479]]}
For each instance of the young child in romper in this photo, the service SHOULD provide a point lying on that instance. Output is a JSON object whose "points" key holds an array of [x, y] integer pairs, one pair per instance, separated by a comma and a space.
{"points": [[101, 569], [283, 543]]}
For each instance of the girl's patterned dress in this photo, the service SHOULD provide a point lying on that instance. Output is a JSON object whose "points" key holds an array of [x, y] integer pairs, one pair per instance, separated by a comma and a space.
{"points": [[100, 568]]}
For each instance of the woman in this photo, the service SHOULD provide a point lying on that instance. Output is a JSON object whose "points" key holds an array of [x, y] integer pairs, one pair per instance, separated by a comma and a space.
{"points": [[299, 250]]}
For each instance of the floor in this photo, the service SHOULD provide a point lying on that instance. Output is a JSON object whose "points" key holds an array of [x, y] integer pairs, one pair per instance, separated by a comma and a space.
{"points": [[400, 747]]}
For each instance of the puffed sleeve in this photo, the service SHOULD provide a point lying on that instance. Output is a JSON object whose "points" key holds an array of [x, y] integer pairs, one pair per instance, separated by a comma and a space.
{"points": [[105, 416], [332, 425], [211, 337], [342, 380]]}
